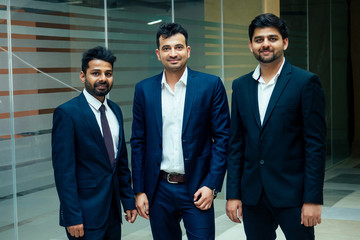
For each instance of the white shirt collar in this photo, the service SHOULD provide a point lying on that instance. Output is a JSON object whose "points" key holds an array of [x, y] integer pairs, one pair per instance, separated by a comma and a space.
{"points": [[183, 78], [256, 75], [93, 101]]}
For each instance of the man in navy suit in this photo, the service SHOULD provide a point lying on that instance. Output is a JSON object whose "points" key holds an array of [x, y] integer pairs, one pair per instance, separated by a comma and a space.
{"points": [[277, 142], [90, 158], [179, 142]]}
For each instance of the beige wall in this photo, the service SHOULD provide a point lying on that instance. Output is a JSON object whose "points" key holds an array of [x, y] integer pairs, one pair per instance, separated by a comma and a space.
{"points": [[235, 11], [271, 6], [242, 11]]}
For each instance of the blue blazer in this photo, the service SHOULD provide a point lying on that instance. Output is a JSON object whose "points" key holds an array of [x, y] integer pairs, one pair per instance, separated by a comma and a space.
{"points": [[205, 133], [285, 156], [84, 178]]}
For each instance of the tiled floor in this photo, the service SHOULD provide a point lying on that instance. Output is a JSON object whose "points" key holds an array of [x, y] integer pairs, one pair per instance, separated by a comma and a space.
{"points": [[38, 213], [340, 218]]}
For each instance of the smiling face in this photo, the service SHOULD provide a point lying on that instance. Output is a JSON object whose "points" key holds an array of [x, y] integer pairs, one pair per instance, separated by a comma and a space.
{"points": [[173, 52], [267, 45], [98, 79]]}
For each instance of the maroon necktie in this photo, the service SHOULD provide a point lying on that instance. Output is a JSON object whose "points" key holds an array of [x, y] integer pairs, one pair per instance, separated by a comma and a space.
{"points": [[107, 135]]}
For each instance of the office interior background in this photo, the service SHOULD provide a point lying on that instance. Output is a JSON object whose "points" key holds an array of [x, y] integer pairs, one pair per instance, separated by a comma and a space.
{"points": [[41, 43]]}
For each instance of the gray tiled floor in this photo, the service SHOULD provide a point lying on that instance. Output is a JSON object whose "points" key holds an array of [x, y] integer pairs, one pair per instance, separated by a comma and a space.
{"points": [[38, 213]]}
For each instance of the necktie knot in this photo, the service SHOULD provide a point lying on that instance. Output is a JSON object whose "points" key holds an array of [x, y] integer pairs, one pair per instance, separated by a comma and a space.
{"points": [[102, 108]]}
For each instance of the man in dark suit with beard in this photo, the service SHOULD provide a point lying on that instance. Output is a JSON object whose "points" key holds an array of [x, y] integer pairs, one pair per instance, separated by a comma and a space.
{"points": [[277, 141], [89, 156]]}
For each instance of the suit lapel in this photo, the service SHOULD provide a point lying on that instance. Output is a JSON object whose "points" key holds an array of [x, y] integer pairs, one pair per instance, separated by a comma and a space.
{"points": [[119, 118], [92, 123], [253, 92], [157, 102], [189, 97], [278, 89]]}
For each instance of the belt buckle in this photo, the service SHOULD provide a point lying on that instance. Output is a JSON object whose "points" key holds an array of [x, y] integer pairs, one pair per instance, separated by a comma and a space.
{"points": [[168, 178]]}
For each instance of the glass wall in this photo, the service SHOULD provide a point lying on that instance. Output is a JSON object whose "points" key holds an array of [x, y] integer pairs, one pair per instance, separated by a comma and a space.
{"points": [[6, 134], [41, 71], [319, 42]]}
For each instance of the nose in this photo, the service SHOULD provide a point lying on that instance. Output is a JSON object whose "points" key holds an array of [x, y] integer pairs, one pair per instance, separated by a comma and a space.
{"points": [[102, 77], [173, 52], [266, 43]]}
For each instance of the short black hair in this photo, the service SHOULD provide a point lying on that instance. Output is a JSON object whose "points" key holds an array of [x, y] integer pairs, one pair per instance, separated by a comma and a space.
{"points": [[98, 52], [268, 20], [167, 30]]}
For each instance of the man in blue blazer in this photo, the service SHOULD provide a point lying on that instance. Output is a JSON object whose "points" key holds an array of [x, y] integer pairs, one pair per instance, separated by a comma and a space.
{"points": [[90, 158], [277, 142], [179, 142]]}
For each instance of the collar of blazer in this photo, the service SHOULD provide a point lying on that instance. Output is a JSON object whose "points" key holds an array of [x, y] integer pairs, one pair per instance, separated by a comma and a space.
{"points": [[281, 83], [93, 126], [192, 83]]}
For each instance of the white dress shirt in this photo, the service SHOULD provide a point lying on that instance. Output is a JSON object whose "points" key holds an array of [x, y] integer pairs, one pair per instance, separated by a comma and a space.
{"points": [[112, 120], [265, 90], [172, 105]]}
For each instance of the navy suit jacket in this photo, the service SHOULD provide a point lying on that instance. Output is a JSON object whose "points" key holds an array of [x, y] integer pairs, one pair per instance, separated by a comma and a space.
{"points": [[205, 133], [84, 178], [285, 156]]}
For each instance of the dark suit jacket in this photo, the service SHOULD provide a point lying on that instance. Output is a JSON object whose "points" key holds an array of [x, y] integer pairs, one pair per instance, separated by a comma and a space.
{"points": [[84, 178], [204, 134], [285, 156]]}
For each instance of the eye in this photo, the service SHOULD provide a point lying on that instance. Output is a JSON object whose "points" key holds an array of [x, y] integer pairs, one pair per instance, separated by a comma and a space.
{"points": [[165, 48], [179, 47], [95, 73], [273, 39], [259, 40], [108, 74]]}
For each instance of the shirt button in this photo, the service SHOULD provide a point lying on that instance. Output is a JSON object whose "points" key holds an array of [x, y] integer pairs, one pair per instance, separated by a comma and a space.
{"points": [[262, 162]]}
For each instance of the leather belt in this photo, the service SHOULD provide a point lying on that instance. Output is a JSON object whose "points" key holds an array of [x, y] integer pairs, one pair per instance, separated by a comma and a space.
{"points": [[173, 178]]}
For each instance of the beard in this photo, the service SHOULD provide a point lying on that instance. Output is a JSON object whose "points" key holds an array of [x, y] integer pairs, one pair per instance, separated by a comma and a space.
{"points": [[93, 89], [268, 59]]}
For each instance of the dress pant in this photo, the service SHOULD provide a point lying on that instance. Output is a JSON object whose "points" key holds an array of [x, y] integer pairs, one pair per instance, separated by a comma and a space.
{"points": [[262, 220], [170, 204], [110, 231]]}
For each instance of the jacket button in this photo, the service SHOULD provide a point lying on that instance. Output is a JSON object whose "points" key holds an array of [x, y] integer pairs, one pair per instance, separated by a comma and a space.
{"points": [[262, 162]]}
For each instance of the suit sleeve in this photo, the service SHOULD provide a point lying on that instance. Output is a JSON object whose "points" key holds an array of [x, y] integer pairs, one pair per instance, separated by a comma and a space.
{"points": [[314, 133], [63, 159], [236, 146], [126, 192], [138, 141], [220, 124]]}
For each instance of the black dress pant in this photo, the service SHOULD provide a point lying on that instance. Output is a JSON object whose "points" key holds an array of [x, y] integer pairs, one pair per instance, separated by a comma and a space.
{"points": [[262, 220]]}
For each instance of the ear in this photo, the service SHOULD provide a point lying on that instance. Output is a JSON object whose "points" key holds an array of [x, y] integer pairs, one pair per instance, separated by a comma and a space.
{"points": [[286, 43], [82, 77], [250, 46], [157, 51], [188, 51]]}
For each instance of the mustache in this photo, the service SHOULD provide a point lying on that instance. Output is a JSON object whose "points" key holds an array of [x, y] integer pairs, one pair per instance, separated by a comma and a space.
{"points": [[97, 84]]}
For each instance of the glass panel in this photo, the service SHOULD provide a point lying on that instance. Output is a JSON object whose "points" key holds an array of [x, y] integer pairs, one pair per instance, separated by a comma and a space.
{"points": [[132, 37], [342, 133], [204, 33], [238, 58], [6, 176], [48, 38], [327, 54]]}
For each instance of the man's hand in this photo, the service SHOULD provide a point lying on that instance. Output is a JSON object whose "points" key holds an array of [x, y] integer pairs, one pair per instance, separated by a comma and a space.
{"points": [[234, 210], [203, 198], [76, 230], [311, 214], [131, 215], [142, 205]]}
